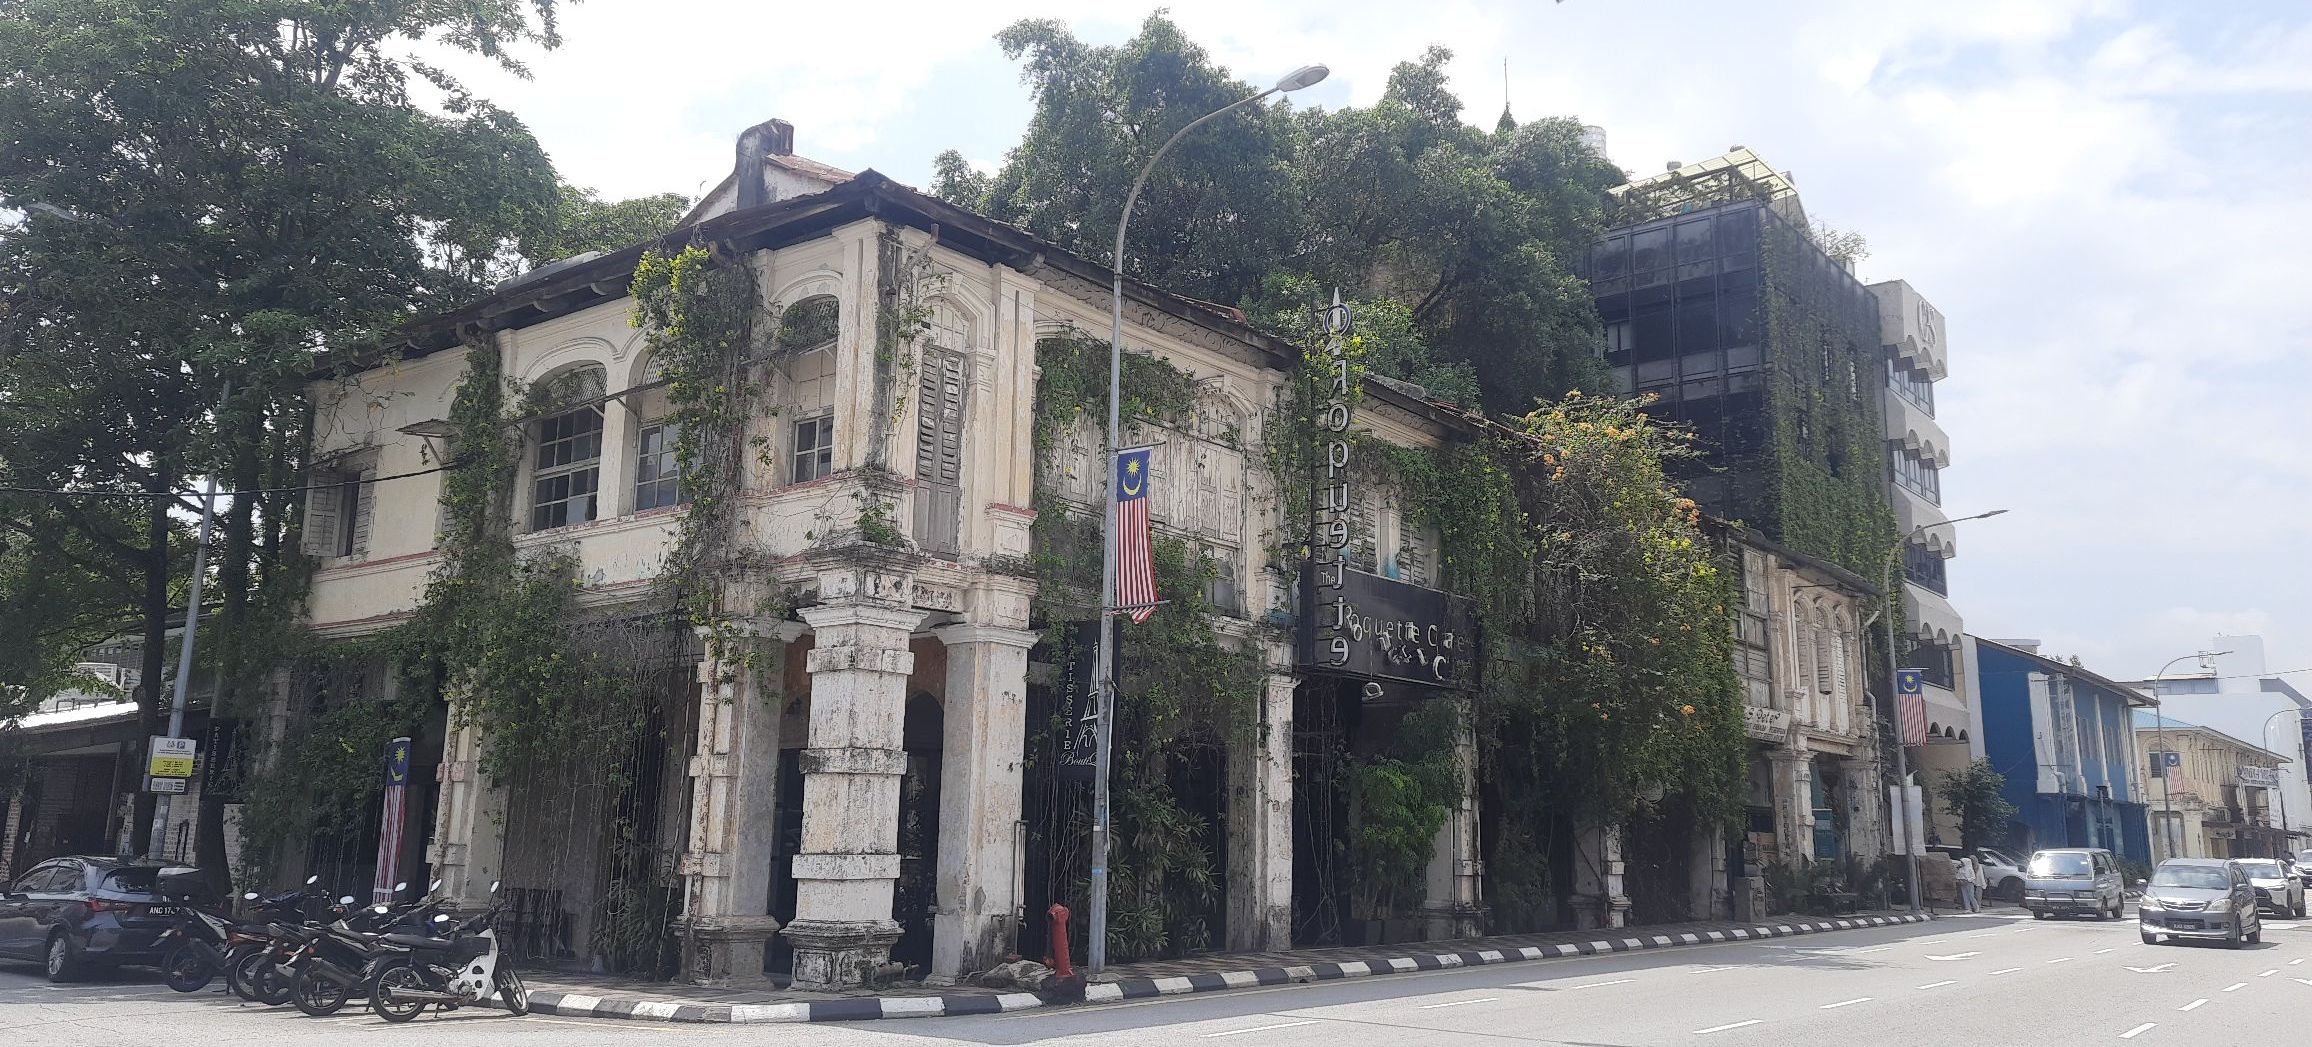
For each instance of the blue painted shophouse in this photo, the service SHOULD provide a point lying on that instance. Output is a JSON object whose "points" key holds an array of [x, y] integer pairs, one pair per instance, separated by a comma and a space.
{"points": [[2065, 739]]}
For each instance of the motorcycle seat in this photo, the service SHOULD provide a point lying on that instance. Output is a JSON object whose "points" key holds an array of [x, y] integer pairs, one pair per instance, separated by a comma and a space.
{"points": [[417, 941]]}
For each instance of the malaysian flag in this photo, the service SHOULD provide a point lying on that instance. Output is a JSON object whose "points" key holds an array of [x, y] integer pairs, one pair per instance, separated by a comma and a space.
{"points": [[389, 824], [1911, 705], [1135, 556]]}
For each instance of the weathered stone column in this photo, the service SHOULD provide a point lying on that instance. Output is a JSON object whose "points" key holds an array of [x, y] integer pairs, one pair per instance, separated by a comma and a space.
{"points": [[734, 777], [849, 858], [1260, 825], [1794, 805], [1706, 874], [468, 850], [1452, 909], [982, 755], [1597, 879]]}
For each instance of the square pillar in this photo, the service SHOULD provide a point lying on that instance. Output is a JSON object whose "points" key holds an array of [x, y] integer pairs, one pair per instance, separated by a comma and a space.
{"points": [[849, 859], [734, 776], [468, 850], [1453, 908], [1794, 805], [982, 753], [1597, 879], [1260, 825], [1706, 874]]}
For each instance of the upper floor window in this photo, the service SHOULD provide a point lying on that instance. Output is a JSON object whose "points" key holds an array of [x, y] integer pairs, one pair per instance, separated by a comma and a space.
{"points": [[1921, 476], [1925, 567], [1914, 386], [657, 475], [338, 509], [567, 473], [814, 454]]}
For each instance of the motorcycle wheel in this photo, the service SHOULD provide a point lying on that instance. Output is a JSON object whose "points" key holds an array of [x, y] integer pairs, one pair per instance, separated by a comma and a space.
{"points": [[186, 970], [318, 996], [381, 989], [242, 973], [511, 991], [273, 988]]}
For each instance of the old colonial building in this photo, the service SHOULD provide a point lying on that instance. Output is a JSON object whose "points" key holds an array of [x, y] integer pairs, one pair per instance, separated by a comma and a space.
{"points": [[1816, 790], [881, 788]]}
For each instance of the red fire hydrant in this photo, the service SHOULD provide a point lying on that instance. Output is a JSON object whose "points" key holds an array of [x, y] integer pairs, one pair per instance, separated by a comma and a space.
{"points": [[1059, 958]]}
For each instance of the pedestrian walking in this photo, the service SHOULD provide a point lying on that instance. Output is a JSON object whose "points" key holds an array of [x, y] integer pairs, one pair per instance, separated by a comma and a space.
{"points": [[1970, 878]]}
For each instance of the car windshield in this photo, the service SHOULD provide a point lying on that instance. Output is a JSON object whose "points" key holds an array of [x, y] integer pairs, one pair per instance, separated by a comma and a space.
{"points": [[2211, 877], [2267, 870], [2059, 863]]}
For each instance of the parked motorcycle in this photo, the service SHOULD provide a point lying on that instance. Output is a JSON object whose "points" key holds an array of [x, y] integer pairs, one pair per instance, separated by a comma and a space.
{"points": [[246, 956], [463, 966], [337, 960]]}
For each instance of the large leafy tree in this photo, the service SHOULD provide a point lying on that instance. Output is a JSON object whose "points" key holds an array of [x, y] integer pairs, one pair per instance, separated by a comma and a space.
{"points": [[215, 197], [1459, 243]]}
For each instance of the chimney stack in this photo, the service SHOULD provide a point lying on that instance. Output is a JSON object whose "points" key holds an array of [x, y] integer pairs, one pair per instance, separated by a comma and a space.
{"points": [[769, 138]]}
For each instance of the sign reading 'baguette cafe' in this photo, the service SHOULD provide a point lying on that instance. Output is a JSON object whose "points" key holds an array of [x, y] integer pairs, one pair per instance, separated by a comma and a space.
{"points": [[1355, 623]]}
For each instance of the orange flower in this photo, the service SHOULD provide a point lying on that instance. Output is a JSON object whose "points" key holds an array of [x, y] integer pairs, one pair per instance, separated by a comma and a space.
{"points": [[1687, 709]]}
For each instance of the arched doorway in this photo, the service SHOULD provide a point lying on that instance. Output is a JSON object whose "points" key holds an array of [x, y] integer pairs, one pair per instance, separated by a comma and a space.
{"points": [[915, 898]]}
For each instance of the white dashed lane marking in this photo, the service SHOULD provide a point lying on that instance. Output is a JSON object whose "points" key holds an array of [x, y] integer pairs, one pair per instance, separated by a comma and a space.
{"points": [[2269, 973], [2138, 1030], [1734, 1025], [1458, 1003], [2194, 1005], [2235, 986], [1846, 1003], [1940, 984], [1259, 1028], [2060, 959], [1595, 985], [2007, 970]]}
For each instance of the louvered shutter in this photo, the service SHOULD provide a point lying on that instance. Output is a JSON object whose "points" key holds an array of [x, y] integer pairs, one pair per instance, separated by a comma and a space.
{"points": [[939, 451], [1825, 650], [321, 515], [364, 509]]}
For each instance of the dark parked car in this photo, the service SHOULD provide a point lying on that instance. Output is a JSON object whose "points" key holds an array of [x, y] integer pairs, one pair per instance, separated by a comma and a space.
{"points": [[2200, 898], [79, 912]]}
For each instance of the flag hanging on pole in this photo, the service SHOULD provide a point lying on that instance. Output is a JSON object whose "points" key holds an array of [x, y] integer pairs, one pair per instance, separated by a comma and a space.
{"points": [[1911, 705], [389, 823], [1135, 555]]}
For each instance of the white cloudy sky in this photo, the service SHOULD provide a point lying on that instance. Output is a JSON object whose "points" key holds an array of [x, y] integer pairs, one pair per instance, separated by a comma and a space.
{"points": [[2108, 201]]}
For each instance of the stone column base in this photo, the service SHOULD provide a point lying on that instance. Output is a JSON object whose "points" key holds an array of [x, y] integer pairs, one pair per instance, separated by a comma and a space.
{"points": [[839, 954], [1455, 921], [727, 951]]}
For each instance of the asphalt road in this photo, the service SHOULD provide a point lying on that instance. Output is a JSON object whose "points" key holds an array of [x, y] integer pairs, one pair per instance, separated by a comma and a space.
{"points": [[1993, 979]]}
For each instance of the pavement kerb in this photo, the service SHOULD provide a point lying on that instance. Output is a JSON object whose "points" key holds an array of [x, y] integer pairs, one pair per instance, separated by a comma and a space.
{"points": [[871, 1008]]}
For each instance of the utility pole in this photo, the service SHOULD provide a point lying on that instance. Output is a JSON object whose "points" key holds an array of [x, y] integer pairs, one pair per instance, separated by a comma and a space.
{"points": [[162, 811]]}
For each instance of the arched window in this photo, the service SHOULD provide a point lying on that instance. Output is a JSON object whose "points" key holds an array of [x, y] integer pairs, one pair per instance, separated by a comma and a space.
{"points": [[657, 475], [566, 468], [808, 325]]}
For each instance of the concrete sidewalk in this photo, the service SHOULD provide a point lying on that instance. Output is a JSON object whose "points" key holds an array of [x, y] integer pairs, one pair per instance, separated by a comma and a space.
{"points": [[658, 1001]]}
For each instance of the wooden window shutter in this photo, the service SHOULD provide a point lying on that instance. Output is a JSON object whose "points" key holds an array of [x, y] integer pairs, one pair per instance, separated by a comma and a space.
{"points": [[365, 508], [320, 538]]}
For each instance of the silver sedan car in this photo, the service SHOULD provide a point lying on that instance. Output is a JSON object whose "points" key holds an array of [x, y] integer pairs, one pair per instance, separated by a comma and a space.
{"points": [[2275, 889]]}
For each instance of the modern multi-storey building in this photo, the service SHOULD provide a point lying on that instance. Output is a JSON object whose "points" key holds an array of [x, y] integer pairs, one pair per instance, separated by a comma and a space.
{"points": [[1719, 302], [1911, 330]]}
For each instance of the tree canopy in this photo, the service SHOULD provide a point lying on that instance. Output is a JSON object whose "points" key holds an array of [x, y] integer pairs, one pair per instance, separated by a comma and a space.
{"points": [[213, 197], [1458, 243]]}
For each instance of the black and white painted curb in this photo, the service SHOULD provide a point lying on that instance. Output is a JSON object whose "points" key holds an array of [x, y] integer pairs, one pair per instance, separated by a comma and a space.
{"points": [[871, 1008]]}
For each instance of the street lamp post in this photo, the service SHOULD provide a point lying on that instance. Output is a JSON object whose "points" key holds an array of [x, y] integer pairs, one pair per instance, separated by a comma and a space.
{"points": [[2279, 784], [2167, 807], [1104, 668], [1894, 710]]}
